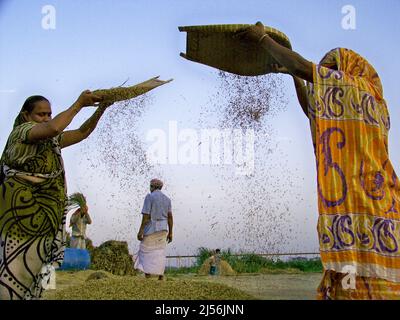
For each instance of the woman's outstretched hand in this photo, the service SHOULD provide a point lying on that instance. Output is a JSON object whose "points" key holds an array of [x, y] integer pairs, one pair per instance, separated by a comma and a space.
{"points": [[252, 33], [87, 98]]}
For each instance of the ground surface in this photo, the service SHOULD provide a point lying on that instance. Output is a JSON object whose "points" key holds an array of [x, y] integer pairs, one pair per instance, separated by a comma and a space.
{"points": [[274, 286], [279, 286]]}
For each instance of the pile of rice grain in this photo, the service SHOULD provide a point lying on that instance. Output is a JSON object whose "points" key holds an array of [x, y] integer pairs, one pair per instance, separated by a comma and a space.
{"points": [[224, 268], [113, 256], [135, 288]]}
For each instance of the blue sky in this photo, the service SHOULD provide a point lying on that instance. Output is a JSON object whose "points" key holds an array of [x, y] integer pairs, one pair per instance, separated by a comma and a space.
{"points": [[100, 44]]}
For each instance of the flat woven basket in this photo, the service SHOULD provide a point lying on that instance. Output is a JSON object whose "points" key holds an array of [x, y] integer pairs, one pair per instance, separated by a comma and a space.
{"points": [[216, 46], [126, 93]]}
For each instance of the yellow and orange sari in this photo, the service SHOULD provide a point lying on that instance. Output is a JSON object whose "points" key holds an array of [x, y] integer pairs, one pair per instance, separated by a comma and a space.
{"points": [[358, 190]]}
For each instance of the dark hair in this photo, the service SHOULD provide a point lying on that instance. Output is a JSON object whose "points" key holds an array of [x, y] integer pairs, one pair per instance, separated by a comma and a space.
{"points": [[28, 106], [218, 250], [29, 103]]}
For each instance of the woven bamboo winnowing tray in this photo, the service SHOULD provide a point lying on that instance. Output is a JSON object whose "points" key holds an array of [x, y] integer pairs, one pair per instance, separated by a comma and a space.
{"points": [[126, 93], [216, 46]]}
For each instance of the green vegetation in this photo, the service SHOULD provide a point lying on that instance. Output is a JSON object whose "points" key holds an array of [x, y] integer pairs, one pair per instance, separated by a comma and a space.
{"points": [[185, 270], [76, 200], [252, 263]]}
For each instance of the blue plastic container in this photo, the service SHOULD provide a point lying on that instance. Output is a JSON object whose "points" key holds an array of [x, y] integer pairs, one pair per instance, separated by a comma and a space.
{"points": [[75, 259]]}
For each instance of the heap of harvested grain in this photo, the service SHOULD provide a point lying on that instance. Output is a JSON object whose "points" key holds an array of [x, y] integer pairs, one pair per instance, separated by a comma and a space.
{"points": [[113, 256], [97, 276], [89, 246], [223, 268], [137, 288]]}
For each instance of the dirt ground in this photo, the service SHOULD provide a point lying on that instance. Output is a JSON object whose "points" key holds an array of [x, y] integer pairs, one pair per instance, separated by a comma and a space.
{"points": [[300, 286], [293, 286]]}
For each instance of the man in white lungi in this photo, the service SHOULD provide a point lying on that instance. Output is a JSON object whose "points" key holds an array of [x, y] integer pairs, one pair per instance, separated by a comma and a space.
{"points": [[155, 231]]}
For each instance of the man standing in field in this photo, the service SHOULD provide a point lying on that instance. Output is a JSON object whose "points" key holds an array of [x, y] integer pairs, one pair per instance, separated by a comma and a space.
{"points": [[79, 219], [155, 231]]}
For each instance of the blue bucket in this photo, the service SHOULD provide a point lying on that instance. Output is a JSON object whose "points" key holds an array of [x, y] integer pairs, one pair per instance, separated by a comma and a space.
{"points": [[75, 259]]}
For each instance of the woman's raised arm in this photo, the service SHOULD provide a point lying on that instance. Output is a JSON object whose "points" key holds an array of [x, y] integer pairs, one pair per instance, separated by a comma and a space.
{"points": [[295, 63], [50, 128], [74, 136]]}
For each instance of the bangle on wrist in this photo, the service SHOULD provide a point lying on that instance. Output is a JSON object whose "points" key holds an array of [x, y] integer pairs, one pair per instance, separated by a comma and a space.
{"points": [[262, 38]]}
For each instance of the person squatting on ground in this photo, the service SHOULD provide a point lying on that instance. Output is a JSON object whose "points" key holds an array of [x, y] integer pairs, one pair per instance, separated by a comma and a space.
{"points": [[358, 189], [33, 194], [155, 231]]}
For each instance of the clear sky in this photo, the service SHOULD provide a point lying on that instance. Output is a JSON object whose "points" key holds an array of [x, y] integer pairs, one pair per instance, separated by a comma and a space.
{"points": [[100, 44]]}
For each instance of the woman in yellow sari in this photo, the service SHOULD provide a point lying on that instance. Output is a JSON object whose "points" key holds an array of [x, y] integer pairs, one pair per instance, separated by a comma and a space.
{"points": [[358, 190]]}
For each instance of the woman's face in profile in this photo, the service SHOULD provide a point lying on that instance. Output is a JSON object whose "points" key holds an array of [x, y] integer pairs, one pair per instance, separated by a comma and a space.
{"points": [[40, 113]]}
